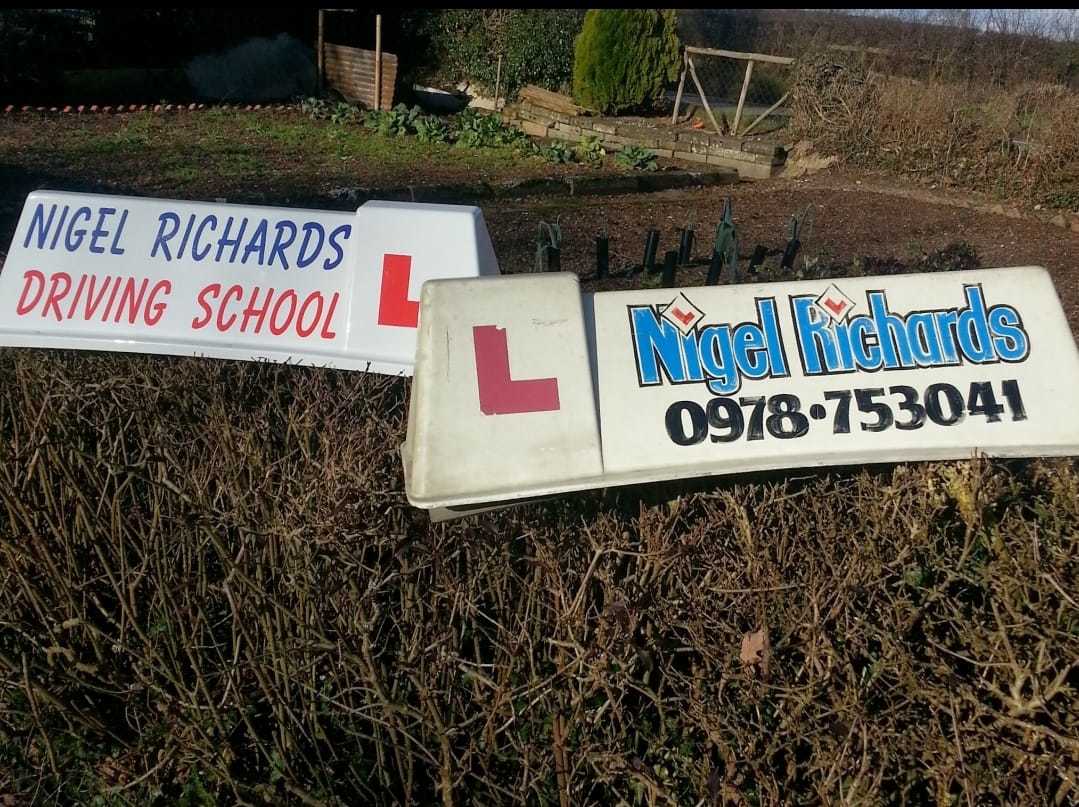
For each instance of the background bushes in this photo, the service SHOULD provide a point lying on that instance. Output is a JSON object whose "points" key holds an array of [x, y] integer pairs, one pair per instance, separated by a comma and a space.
{"points": [[536, 45], [34, 48], [624, 59], [1019, 142]]}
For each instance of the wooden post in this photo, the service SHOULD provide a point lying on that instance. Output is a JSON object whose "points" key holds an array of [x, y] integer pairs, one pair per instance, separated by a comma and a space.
{"points": [[766, 113], [704, 99], [378, 61], [742, 98], [681, 86], [735, 54], [498, 79], [319, 48]]}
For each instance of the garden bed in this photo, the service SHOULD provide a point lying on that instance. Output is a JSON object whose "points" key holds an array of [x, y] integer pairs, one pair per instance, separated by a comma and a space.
{"points": [[753, 158]]}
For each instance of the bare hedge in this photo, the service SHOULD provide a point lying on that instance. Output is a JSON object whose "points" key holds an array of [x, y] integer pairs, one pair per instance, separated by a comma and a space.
{"points": [[212, 590], [1021, 142]]}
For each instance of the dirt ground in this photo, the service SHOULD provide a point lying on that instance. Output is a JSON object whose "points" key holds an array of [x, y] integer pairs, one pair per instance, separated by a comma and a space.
{"points": [[285, 159], [854, 216]]}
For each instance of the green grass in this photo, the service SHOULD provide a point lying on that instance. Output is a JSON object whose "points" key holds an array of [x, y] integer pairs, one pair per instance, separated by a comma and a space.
{"points": [[193, 153]]}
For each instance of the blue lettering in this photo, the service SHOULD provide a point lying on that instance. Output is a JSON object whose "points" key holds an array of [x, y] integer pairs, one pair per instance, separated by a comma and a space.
{"points": [[114, 248], [41, 224], [717, 358], [947, 323], [257, 243], [891, 333], [973, 328], [766, 311], [923, 339], [345, 230], [303, 259], [1009, 337], [162, 237], [813, 337], [100, 231], [84, 213], [750, 352], [655, 339], [59, 227], [210, 221], [187, 236], [692, 355], [225, 241], [842, 341], [866, 354], [279, 244]]}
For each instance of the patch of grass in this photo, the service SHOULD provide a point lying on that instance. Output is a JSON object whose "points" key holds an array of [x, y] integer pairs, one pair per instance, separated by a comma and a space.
{"points": [[252, 151], [181, 175]]}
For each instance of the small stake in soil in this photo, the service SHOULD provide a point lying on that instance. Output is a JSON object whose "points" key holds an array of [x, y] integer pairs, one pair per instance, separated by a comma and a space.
{"points": [[602, 256], [800, 228], [651, 246], [685, 246], [715, 269], [759, 253], [670, 262], [549, 248], [725, 250]]}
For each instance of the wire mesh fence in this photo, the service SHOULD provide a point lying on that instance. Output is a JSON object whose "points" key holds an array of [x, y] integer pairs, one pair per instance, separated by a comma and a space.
{"points": [[735, 93]]}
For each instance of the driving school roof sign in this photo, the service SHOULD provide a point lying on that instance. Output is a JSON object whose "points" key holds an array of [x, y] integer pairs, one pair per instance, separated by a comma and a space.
{"points": [[544, 390], [231, 281]]}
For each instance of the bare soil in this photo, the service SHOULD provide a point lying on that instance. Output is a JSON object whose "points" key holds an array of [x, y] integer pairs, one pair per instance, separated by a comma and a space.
{"points": [[851, 221]]}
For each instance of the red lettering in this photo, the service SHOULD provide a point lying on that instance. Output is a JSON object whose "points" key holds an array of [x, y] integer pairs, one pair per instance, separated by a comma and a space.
{"points": [[252, 310], [77, 295], [22, 307], [214, 289], [129, 299], [112, 297], [326, 332], [316, 297], [55, 295], [276, 329], [93, 302], [158, 309], [234, 291], [82, 297]]}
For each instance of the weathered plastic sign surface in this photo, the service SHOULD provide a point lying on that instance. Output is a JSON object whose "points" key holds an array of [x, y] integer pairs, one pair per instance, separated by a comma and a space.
{"points": [[731, 378], [511, 360], [230, 281]]}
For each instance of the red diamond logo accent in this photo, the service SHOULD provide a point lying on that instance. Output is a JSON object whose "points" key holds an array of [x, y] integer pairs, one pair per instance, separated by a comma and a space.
{"points": [[835, 304], [682, 313]]}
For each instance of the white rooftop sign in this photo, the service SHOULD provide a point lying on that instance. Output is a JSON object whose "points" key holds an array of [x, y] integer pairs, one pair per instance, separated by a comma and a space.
{"points": [[232, 281], [728, 379]]}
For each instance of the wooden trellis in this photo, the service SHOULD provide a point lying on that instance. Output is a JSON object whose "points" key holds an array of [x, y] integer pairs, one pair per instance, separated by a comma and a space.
{"points": [[688, 68]]}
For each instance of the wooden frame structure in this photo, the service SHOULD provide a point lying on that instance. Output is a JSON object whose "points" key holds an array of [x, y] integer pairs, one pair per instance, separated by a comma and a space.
{"points": [[320, 49], [689, 69]]}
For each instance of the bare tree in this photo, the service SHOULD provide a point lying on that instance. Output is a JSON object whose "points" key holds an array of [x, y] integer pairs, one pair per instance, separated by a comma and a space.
{"points": [[1066, 25]]}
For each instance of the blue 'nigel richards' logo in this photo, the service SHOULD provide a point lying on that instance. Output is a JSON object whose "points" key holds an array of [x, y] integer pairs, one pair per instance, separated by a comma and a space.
{"points": [[673, 344]]}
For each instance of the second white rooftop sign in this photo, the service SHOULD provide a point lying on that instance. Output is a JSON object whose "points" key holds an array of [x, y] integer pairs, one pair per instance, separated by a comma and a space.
{"points": [[663, 384]]}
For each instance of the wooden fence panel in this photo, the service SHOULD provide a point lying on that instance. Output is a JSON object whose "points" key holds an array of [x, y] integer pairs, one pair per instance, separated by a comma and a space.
{"points": [[351, 71]]}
